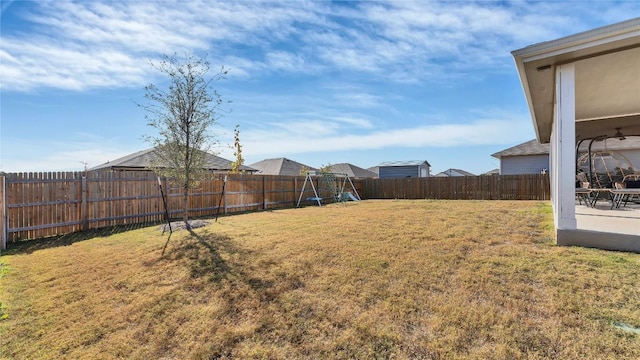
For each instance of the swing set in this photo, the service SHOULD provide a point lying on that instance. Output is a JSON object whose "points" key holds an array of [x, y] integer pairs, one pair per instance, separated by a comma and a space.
{"points": [[331, 186]]}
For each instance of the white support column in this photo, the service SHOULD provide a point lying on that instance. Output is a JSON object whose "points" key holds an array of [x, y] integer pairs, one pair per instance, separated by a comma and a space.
{"points": [[563, 149]]}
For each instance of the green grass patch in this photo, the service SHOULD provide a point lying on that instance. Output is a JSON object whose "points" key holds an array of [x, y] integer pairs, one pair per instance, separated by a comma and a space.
{"points": [[375, 279]]}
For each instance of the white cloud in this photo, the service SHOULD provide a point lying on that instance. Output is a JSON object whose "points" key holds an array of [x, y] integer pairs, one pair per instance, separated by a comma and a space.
{"points": [[240, 67], [354, 121], [359, 99], [282, 60], [71, 68], [301, 129], [280, 138], [335, 73], [82, 45], [290, 141], [69, 155], [5, 5]]}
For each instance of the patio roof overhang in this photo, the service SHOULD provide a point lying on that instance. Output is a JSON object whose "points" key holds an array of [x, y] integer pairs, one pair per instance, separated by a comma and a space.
{"points": [[607, 80]]}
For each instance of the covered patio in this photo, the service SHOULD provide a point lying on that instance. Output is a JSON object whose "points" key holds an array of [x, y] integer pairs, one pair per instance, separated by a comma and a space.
{"points": [[602, 219], [609, 229], [582, 87]]}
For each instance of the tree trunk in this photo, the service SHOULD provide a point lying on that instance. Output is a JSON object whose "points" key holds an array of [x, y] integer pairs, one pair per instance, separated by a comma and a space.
{"points": [[185, 206]]}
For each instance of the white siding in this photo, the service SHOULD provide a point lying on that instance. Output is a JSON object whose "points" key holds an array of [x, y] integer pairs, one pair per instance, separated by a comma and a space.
{"points": [[424, 170], [529, 164], [533, 164], [388, 172]]}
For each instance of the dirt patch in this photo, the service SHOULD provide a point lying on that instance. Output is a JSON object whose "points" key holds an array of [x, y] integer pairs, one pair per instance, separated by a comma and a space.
{"points": [[180, 225]]}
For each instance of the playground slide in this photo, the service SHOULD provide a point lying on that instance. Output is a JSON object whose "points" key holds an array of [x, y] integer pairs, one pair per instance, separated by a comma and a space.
{"points": [[350, 196]]}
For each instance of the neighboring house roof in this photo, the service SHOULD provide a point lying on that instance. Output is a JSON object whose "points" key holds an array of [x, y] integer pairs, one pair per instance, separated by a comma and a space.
{"points": [[533, 147], [280, 166], [403, 163], [145, 159], [375, 170], [352, 171], [492, 172], [454, 172]]}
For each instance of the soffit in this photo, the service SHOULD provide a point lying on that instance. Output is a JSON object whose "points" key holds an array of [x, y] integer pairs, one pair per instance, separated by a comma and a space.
{"points": [[617, 46], [608, 85]]}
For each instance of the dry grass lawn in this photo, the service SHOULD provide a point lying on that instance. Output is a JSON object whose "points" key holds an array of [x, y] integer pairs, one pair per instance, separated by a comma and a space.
{"points": [[368, 280]]}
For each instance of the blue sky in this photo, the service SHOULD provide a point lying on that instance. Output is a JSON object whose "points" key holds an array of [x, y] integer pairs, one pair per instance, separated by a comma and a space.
{"points": [[317, 82]]}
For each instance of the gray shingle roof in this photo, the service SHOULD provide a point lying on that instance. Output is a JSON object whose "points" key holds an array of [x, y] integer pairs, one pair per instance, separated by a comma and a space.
{"points": [[144, 159], [532, 147], [404, 163], [453, 172], [352, 171], [279, 166], [463, 172], [492, 172]]}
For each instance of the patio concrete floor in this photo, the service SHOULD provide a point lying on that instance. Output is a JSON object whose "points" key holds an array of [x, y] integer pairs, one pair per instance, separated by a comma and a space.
{"points": [[601, 218]]}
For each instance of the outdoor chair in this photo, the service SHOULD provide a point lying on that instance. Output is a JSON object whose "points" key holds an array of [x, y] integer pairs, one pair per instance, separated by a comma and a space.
{"points": [[626, 191], [591, 195], [631, 181], [583, 192]]}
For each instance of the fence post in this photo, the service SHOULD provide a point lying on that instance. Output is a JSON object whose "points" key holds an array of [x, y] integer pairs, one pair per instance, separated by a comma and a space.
{"points": [[264, 192], [3, 214], [165, 186], [83, 205], [224, 194]]}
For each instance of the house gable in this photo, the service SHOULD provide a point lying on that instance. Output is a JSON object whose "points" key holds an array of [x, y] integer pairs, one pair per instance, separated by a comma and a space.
{"points": [[352, 171], [403, 169], [146, 160], [454, 172], [280, 166]]}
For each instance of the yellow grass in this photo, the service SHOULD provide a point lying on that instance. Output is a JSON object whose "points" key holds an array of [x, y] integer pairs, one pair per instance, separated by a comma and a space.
{"points": [[375, 279]]}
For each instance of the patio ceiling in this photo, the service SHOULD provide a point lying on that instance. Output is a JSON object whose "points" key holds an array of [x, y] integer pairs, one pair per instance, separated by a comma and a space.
{"points": [[607, 80]]}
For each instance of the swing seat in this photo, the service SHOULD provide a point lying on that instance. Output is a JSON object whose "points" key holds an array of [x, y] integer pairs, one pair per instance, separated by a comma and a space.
{"points": [[314, 199]]}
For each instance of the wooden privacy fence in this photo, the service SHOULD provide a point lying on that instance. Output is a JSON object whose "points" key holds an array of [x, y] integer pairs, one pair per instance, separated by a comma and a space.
{"points": [[495, 187], [36, 205]]}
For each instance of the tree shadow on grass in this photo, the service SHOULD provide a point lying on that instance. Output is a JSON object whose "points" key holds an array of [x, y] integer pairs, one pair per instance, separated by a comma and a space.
{"points": [[217, 258], [244, 283], [208, 255]]}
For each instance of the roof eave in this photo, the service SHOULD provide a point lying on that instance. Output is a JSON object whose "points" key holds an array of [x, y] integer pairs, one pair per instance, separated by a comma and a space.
{"points": [[525, 88], [547, 55]]}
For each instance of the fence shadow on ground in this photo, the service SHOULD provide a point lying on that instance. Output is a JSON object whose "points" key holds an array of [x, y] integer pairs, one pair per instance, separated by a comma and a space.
{"points": [[29, 246]]}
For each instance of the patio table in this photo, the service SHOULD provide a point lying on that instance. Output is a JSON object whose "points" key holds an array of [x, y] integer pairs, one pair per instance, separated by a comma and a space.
{"points": [[620, 195]]}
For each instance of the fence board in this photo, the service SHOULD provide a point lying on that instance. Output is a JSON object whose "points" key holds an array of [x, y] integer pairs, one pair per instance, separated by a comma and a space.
{"points": [[3, 214], [496, 187], [37, 205]]}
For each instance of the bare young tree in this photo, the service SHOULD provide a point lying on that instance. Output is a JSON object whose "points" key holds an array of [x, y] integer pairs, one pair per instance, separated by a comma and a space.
{"points": [[237, 151], [183, 112]]}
